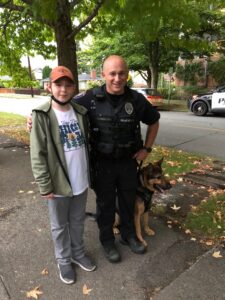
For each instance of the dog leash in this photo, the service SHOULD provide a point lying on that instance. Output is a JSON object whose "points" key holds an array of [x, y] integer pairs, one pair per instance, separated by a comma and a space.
{"points": [[139, 165]]}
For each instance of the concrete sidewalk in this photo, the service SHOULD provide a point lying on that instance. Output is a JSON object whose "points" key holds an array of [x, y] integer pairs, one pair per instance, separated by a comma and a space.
{"points": [[174, 267]]}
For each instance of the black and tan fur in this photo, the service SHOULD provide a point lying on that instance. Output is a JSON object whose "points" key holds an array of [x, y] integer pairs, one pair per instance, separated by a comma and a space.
{"points": [[150, 180]]}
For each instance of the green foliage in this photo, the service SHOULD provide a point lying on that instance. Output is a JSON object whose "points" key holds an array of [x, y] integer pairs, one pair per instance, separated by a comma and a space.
{"points": [[130, 81], [46, 72], [94, 83], [216, 70], [150, 35], [44, 9], [21, 79], [190, 72]]}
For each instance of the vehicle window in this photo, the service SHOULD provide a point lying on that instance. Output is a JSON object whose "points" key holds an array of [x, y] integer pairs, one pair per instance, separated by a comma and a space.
{"points": [[222, 90]]}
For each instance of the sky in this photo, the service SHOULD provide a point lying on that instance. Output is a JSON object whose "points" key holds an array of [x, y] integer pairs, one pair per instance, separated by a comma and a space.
{"points": [[38, 62]]}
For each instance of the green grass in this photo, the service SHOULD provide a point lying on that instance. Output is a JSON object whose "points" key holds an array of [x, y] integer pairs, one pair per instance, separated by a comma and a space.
{"points": [[178, 162], [7, 119], [14, 126], [174, 105], [208, 219]]}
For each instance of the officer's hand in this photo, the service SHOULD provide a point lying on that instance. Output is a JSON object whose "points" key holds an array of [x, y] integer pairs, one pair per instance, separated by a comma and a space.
{"points": [[141, 154], [29, 123]]}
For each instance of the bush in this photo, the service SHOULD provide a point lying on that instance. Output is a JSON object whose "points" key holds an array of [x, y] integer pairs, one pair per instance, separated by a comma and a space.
{"points": [[190, 72], [216, 70], [94, 83], [181, 93]]}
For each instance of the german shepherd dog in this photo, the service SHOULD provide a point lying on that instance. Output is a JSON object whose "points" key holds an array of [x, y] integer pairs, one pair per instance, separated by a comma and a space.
{"points": [[150, 180]]}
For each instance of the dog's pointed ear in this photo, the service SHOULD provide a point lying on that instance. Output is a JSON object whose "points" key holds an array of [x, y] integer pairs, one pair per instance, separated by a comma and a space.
{"points": [[159, 163], [148, 167]]}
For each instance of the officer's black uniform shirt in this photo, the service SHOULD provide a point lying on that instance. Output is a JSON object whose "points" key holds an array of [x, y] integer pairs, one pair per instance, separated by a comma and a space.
{"points": [[145, 112]]}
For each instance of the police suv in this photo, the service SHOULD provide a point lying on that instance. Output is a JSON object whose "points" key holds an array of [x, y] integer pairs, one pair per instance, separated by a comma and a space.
{"points": [[212, 102]]}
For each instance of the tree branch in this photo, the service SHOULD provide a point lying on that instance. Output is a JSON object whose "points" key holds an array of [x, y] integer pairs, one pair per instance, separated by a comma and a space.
{"points": [[143, 75], [77, 29], [74, 3], [11, 6]]}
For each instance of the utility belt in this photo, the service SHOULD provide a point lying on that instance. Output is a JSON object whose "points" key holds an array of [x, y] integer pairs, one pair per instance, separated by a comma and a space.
{"points": [[119, 151]]}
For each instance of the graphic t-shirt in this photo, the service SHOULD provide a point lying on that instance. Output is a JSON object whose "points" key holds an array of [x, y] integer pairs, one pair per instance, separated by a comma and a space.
{"points": [[74, 149]]}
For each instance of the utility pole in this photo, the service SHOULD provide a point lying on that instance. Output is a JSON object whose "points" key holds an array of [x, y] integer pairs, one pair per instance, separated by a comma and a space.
{"points": [[30, 74]]}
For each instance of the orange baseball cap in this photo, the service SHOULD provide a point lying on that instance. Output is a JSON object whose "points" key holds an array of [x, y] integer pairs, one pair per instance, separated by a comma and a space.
{"points": [[60, 72]]}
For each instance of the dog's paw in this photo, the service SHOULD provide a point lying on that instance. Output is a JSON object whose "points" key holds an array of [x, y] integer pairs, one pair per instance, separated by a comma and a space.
{"points": [[149, 231]]}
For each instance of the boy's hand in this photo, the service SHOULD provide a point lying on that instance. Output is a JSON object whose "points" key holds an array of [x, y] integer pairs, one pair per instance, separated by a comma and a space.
{"points": [[29, 123], [48, 196]]}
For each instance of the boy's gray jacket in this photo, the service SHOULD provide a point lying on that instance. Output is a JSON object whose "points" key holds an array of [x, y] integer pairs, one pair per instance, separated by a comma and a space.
{"points": [[47, 155]]}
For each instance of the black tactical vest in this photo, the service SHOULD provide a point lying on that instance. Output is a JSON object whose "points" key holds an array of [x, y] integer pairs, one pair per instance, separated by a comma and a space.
{"points": [[115, 129]]}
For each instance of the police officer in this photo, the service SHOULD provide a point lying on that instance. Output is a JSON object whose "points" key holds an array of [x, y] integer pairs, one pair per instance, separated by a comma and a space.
{"points": [[115, 112]]}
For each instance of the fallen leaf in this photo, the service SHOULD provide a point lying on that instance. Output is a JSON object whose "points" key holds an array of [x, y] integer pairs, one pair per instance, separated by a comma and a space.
{"points": [[193, 207], [175, 208], [30, 192], [86, 291], [188, 231], [173, 182], [193, 239], [20, 192], [44, 272], [217, 254], [35, 293], [209, 243], [180, 179], [219, 215]]}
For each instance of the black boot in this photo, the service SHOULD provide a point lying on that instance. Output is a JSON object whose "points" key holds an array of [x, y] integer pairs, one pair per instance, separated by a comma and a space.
{"points": [[135, 245], [111, 253]]}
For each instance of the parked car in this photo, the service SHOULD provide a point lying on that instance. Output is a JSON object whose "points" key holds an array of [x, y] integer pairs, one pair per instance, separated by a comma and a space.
{"points": [[151, 95], [211, 102]]}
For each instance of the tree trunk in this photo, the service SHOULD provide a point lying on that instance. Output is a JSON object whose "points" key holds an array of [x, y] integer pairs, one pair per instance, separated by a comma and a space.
{"points": [[154, 63], [154, 77], [66, 46]]}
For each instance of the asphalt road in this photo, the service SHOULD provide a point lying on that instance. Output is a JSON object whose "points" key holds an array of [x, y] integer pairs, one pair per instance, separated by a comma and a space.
{"points": [[180, 130], [187, 132]]}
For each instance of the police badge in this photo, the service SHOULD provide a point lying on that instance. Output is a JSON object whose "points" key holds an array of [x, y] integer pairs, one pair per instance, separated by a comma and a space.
{"points": [[129, 108]]}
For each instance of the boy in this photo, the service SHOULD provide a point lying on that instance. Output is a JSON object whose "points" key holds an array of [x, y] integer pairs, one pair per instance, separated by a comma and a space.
{"points": [[59, 165]]}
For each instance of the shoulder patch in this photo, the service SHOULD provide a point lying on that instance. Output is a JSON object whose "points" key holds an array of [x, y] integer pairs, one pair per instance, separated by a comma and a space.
{"points": [[80, 95]]}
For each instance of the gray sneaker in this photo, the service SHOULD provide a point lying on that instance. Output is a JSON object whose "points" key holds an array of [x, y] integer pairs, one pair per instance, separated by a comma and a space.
{"points": [[85, 263], [66, 273]]}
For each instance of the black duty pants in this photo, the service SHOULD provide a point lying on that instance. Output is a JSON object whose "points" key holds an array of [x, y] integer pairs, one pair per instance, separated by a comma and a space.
{"points": [[116, 179]]}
